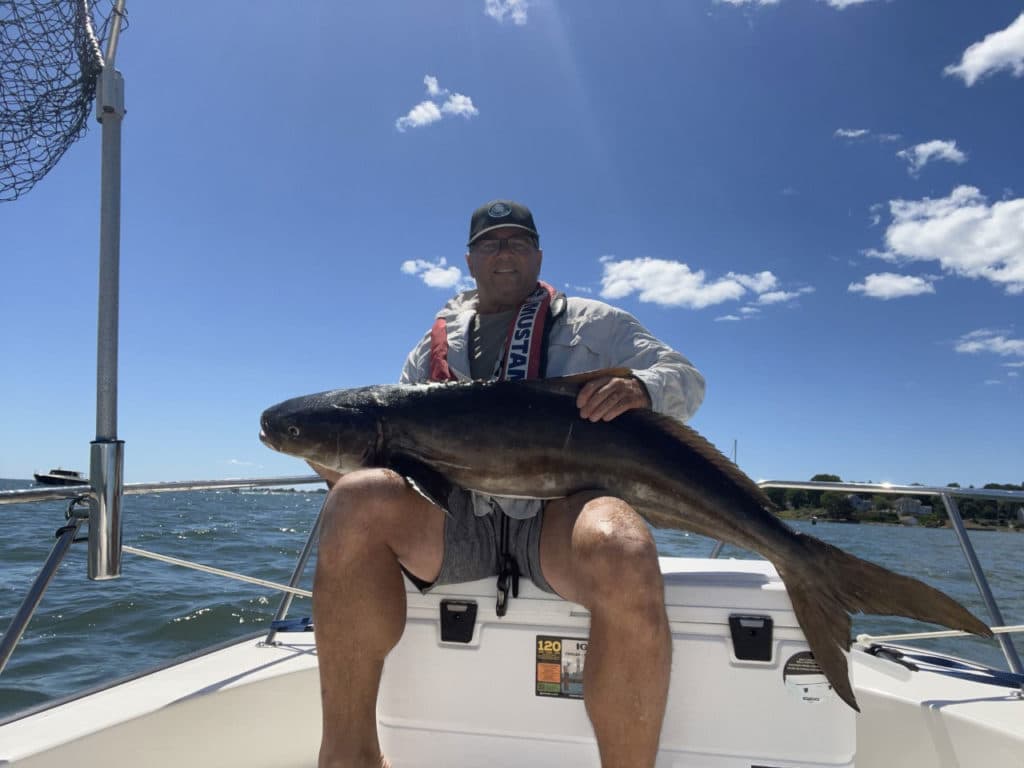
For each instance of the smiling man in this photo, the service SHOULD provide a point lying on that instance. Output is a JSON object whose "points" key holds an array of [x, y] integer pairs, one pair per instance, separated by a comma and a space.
{"points": [[589, 548]]}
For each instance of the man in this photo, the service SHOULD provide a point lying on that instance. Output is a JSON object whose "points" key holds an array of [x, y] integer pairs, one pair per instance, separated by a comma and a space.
{"points": [[588, 548]]}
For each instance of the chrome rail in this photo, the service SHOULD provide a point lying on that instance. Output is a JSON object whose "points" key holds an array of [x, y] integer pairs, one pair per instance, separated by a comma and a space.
{"points": [[28, 606], [81, 493], [300, 568], [945, 493], [27, 495], [66, 536]]}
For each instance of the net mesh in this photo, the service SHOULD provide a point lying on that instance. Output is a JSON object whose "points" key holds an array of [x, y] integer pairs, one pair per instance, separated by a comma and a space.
{"points": [[50, 59]]}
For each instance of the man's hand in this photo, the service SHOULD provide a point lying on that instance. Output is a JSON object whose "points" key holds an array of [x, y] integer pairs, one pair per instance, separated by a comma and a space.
{"points": [[606, 398]]}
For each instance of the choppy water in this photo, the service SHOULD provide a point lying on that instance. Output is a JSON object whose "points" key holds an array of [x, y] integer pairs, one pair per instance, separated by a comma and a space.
{"points": [[85, 633]]}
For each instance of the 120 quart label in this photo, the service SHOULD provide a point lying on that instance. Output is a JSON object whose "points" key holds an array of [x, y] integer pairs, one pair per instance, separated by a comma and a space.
{"points": [[560, 663]]}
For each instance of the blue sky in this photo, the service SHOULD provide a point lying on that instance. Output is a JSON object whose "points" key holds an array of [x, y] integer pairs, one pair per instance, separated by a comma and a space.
{"points": [[819, 202]]}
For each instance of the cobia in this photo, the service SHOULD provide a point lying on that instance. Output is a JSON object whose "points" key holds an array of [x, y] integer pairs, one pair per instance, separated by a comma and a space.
{"points": [[526, 438]]}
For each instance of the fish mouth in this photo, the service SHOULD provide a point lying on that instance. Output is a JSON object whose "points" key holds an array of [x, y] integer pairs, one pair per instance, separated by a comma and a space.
{"points": [[265, 439]]}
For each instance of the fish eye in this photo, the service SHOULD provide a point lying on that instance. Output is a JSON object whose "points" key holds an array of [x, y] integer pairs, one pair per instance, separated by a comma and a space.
{"points": [[293, 431]]}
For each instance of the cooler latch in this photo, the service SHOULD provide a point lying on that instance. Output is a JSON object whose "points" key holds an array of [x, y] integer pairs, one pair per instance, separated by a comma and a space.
{"points": [[458, 618], [751, 637]]}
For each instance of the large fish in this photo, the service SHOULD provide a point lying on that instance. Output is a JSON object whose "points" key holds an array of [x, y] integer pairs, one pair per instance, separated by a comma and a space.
{"points": [[526, 438]]}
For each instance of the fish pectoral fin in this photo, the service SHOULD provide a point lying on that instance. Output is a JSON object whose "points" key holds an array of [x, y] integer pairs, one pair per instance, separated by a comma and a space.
{"points": [[425, 479], [572, 384]]}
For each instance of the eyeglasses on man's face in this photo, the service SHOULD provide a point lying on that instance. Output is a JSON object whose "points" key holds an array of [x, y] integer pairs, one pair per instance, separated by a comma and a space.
{"points": [[517, 246]]}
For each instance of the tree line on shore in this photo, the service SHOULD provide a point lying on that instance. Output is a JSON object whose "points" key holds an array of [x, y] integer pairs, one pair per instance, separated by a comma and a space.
{"points": [[885, 508]]}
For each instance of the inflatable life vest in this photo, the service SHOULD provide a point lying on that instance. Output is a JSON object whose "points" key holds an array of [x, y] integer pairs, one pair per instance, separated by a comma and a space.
{"points": [[525, 352]]}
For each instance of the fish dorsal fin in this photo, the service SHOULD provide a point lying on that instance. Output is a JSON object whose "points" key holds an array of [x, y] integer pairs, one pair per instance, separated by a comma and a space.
{"points": [[572, 384], [703, 448]]}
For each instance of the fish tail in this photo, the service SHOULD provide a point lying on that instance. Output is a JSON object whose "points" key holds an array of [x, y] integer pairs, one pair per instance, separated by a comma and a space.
{"points": [[826, 584]]}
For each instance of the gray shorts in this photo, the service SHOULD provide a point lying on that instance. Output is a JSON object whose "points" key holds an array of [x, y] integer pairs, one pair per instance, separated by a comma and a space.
{"points": [[473, 544]]}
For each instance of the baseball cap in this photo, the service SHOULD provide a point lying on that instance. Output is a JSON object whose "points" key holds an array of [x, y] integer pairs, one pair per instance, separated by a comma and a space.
{"points": [[500, 213]]}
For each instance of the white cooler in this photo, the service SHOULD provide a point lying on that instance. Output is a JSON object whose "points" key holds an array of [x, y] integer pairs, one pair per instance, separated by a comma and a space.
{"points": [[489, 691]]}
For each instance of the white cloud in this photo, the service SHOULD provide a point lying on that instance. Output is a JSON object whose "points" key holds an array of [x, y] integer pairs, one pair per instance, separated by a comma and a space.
{"points": [[424, 113], [434, 274], [499, 10], [778, 297], [920, 155], [995, 342], [668, 283], [728, 318], [674, 284], [850, 133], [999, 50], [963, 233], [427, 112], [887, 285], [841, 4], [1013, 365], [433, 88], [458, 104], [853, 134], [759, 283]]}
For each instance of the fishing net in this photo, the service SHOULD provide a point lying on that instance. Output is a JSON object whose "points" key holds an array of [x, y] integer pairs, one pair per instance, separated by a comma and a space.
{"points": [[50, 59]]}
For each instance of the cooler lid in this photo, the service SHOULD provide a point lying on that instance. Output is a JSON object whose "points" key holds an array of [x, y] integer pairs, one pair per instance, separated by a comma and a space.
{"points": [[705, 589]]}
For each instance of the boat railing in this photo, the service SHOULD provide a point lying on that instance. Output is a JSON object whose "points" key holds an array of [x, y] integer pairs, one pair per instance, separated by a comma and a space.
{"points": [[82, 502], [85, 502], [948, 496]]}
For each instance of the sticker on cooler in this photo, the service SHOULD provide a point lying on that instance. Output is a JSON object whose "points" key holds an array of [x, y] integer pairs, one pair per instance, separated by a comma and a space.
{"points": [[560, 663], [805, 680]]}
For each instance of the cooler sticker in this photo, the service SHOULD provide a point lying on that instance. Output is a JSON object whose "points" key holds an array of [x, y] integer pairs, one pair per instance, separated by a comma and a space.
{"points": [[805, 680], [560, 662]]}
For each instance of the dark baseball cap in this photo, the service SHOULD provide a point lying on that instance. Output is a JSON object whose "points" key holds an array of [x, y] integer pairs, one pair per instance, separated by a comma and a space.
{"points": [[500, 213]]}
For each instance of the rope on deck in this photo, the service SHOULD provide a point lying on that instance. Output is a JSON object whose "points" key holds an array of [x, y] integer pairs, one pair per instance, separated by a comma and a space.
{"points": [[216, 571], [867, 639]]}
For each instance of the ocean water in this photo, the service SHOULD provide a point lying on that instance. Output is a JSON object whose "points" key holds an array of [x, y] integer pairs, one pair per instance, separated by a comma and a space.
{"points": [[86, 633]]}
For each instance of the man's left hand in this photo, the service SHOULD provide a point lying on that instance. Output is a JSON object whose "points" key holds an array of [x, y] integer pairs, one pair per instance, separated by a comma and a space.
{"points": [[606, 398]]}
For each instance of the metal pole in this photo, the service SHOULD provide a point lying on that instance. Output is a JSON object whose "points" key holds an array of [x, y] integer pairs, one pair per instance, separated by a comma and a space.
{"points": [[107, 454], [35, 593], [300, 567], [979, 579]]}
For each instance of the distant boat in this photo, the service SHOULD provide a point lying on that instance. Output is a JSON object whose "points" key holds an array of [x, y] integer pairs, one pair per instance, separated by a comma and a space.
{"points": [[61, 477]]}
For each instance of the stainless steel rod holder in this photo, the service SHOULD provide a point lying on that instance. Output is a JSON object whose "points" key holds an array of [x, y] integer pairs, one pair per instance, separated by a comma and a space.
{"points": [[106, 471]]}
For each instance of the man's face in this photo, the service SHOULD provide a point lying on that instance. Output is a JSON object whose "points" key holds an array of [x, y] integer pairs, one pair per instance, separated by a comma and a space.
{"points": [[508, 276]]}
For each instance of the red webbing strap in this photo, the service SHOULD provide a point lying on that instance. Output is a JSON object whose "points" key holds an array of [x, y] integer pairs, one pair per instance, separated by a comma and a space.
{"points": [[439, 370]]}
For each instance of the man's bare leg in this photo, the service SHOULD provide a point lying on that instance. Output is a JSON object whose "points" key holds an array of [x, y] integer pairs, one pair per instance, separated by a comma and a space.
{"points": [[372, 522], [598, 552]]}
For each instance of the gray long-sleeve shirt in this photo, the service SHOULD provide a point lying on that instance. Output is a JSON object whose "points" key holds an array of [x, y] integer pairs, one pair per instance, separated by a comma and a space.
{"points": [[585, 335]]}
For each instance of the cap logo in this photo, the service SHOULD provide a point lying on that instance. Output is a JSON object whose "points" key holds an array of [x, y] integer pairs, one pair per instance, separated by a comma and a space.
{"points": [[499, 211]]}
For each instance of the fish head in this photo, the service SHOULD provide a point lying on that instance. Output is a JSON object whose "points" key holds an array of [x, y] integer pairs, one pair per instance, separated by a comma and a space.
{"points": [[338, 429]]}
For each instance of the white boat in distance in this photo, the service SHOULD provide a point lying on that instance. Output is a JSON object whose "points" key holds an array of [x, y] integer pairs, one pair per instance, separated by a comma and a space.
{"points": [[467, 688]]}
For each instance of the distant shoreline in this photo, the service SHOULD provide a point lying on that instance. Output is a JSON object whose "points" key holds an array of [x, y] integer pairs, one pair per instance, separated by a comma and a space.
{"points": [[970, 525]]}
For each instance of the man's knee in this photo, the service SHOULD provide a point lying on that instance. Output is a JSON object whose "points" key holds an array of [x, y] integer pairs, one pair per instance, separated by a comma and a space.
{"points": [[361, 507], [375, 513], [615, 553]]}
